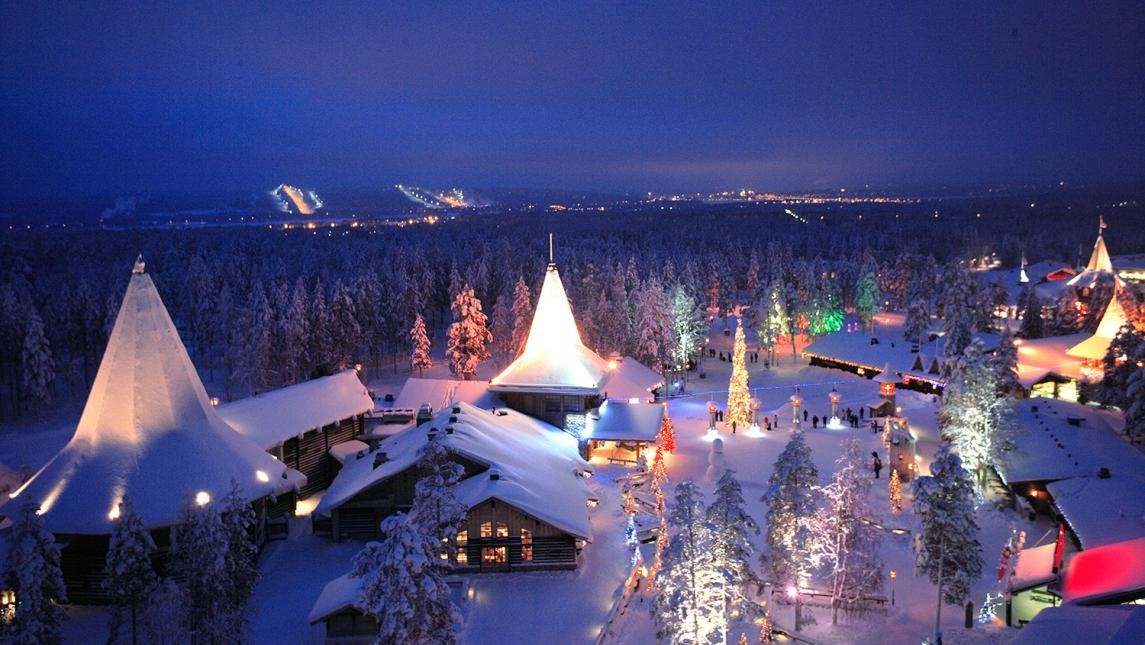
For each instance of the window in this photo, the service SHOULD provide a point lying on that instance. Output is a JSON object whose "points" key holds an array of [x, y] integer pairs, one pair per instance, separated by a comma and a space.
{"points": [[495, 555], [462, 545], [502, 529], [552, 403], [486, 529], [526, 544], [573, 404]]}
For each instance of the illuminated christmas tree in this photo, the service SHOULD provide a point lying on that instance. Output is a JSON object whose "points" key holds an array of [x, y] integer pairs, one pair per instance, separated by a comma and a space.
{"points": [[766, 635], [742, 638], [659, 480], [739, 399], [667, 437], [896, 492]]}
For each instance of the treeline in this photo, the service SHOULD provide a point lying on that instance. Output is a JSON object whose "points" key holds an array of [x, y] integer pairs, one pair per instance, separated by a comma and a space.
{"points": [[260, 308]]}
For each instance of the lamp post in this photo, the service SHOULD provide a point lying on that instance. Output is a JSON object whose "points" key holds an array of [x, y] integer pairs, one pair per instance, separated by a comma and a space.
{"points": [[835, 398], [894, 574], [711, 415], [793, 595], [796, 401], [754, 405]]}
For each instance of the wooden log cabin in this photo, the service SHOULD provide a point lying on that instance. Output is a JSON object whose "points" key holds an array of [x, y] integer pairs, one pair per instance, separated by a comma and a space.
{"points": [[523, 484]]}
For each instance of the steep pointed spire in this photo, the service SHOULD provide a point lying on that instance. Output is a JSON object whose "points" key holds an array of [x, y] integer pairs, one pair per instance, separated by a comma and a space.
{"points": [[1099, 264], [1022, 277], [148, 429], [140, 265]]}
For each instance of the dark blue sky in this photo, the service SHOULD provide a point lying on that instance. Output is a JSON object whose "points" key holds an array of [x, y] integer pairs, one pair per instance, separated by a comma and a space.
{"points": [[116, 98]]}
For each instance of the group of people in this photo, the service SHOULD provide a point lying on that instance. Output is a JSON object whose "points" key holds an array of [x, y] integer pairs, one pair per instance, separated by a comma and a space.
{"points": [[852, 419]]}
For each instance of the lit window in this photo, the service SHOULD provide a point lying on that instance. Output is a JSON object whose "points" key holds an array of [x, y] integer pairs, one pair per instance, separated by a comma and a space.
{"points": [[486, 529], [526, 544], [495, 555], [502, 529], [462, 544]]}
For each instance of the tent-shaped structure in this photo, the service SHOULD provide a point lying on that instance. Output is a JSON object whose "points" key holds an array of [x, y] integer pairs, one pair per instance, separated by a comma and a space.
{"points": [[556, 374], [1099, 268], [149, 431], [1093, 349]]}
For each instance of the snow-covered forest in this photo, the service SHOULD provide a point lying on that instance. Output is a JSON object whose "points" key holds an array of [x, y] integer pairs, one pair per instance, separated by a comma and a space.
{"points": [[260, 308]]}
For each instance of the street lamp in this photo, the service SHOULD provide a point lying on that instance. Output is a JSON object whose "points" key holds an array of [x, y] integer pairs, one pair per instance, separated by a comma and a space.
{"points": [[796, 401], [754, 405], [793, 595], [711, 415], [835, 398], [894, 574]]}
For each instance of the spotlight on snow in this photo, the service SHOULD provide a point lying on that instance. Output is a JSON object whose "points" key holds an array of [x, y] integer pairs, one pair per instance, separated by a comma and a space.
{"points": [[262, 476], [202, 498], [711, 435], [792, 592], [835, 424]]}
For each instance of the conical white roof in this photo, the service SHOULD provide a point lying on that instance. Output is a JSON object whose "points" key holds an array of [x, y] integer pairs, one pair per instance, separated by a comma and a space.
{"points": [[1095, 347], [554, 358], [1099, 265], [148, 430]]}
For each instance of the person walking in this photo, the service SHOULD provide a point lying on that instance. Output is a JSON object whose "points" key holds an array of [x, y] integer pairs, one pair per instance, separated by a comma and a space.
{"points": [[805, 415], [877, 464], [815, 421]]}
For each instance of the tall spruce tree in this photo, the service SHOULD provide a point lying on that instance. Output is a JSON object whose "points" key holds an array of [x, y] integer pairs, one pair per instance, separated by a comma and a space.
{"points": [[947, 549], [974, 417], [129, 576], [469, 336], [240, 559], [791, 502], [39, 367], [198, 557], [436, 510], [522, 316], [844, 543], [690, 606], [33, 572], [419, 342], [404, 588], [732, 543]]}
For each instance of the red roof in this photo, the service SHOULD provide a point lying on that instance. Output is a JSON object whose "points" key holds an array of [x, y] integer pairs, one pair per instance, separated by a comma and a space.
{"points": [[1112, 573]]}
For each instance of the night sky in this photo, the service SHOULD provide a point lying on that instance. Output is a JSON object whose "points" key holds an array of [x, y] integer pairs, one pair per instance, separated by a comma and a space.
{"points": [[105, 97]]}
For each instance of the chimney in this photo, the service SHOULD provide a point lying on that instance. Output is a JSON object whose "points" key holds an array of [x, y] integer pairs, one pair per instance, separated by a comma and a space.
{"points": [[380, 459], [449, 430], [494, 475], [457, 409], [453, 419]]}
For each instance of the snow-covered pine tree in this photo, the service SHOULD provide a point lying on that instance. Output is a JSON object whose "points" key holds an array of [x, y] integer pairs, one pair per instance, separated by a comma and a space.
{"points": [[129, 575], [656, 341], [732, 545], [773, 321], [240, 559], [522, 316], [259, 341], [1004, 362], [739, 398], [345, 330], [896, 492], [917, 321], [766, 632], [1066, 319], [33, 572], [690, 605], [687, 326], [867, 297], [198, 557], [39, 368], [469, 336], [404, 590], [1135, 397], [843, 543], [947, 548], [501, 326], [293, 333], [319, 351], [419, 341], [666, 438], [164, 620], [791, 502], [1117, 368], [1032, 315], [973, 417], [436, 510]]}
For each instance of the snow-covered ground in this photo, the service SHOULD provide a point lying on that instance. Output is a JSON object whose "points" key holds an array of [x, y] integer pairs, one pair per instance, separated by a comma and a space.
{"points": [[570, 607]]}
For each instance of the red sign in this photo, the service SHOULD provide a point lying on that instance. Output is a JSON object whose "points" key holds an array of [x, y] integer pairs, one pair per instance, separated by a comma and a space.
{"points": [[1059, 547]]}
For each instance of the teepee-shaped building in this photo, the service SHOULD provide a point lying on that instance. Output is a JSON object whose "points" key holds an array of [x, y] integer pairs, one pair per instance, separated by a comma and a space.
{"points": [[1093, 349], [557, 374], [1100, 266], [149, 431]]}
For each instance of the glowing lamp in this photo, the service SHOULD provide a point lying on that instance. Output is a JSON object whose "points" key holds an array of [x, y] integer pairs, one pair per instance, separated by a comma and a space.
{"points": [[202, 498], [358, 367], [796, 402], [711, 415], [114, 513], [792, 592], [262, 476], [214, 400]]}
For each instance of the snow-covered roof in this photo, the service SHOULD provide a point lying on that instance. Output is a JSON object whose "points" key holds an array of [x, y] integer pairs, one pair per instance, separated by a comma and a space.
{"points": [[1106, 574], [1103, 511], [538, 466], [347, 450], [338, 594], [1095, 347], [1041, 356], [273, 417], [617, 421], [148, 430], [554, 358], [627, 378], [1048, 447], [1038, 274], [442, 393], [891, 350], [1035, 566], [1080, 624]]}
